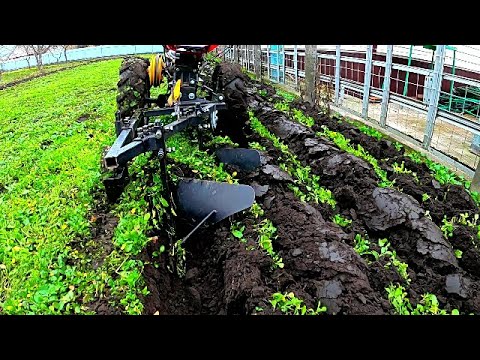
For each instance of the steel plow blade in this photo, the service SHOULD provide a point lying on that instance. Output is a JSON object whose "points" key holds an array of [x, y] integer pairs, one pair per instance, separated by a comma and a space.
{"points": [[198, 199]]}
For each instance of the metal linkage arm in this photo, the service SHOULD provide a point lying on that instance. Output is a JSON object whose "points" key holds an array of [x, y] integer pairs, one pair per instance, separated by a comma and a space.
{"points": [[125, 148], [133, 140]]}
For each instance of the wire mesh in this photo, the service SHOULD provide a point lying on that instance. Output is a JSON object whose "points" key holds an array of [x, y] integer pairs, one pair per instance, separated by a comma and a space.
{"points": [[406, 120], [411, 79], [352, 100], [455, 142]]}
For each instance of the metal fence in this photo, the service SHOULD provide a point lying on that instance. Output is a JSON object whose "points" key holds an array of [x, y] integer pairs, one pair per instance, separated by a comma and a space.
{"points": [[82, 54], [430, 99]]}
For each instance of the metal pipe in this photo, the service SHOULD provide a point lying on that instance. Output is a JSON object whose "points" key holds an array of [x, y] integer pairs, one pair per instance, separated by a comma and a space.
{"points": [[198, 225], [435, 94], [367, 80], [452, 82], [295, 64], [386, 86], [337, 75], [268, 62], [405, 88], [278, 63]]}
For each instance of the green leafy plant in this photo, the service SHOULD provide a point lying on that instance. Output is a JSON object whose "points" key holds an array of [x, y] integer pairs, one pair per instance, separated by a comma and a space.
{"points": [[202, 163], [255, 145], [237, 230], [370, 132], [257, 210], [398, 146], [291, 305], [341, 221], [429, 304], [289, 97], [221, 140], [262, 92], [363, 248], [401, 169], [425, 197], [212, 58], [303, 119], [293, 166], [344, 144], [282, 106], [458, 253], [447, 227], [266, 234]]}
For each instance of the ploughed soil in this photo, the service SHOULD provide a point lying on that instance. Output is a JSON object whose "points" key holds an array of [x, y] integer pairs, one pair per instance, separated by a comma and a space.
{"points": [[227, 276]]}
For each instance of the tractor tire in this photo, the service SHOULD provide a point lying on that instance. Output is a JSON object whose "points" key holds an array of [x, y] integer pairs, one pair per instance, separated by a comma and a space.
{"points": [[133, 86], [228, 79]]}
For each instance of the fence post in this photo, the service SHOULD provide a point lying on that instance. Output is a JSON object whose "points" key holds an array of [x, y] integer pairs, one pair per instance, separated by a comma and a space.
{"points": [[435, 95], [278, 64], [386, 86], [295, 64], [366, 81], [475, 184], [268, 62], [245, 60], [235, 53], [310, 65], [283, 64], [337, 75], [257, 61]]}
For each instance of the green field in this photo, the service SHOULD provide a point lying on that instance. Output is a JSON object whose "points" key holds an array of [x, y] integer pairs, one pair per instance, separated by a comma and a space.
{"points": [[11, 76], [53, 131]]}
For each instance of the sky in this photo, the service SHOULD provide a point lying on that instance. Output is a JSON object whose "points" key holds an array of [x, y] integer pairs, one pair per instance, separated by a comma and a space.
{"points": [[466, 56]]}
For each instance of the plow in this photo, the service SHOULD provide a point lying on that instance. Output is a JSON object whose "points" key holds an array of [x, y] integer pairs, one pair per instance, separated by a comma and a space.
{"points": [[139, 130], [227, 194]]}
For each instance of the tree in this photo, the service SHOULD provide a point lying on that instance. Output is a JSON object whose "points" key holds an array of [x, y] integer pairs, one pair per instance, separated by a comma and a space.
{"points": [[5, 52], [65, 48], [37, 51], [59, 50]]}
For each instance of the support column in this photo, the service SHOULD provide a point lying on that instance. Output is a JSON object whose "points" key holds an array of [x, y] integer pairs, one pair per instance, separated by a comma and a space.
{"points": [[310, 64], [337, 75], [435, 95], [257, 60], [386, 86], [268, 62], [295, 64], [475, 185], [366, 82], [235, 54]]}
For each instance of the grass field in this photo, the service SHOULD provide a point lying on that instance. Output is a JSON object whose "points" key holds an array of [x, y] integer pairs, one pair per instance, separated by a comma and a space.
{"points": [[53, 131], [11, 76]]}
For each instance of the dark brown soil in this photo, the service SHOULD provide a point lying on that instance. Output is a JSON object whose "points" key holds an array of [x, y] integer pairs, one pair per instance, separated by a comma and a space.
{"points": [[398, 216], [448, 200], [98, 246], [227, 276]]}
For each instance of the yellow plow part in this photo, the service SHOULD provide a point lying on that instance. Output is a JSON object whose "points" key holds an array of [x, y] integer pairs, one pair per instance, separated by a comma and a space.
{"points": [[155, 70], [175, 95]]}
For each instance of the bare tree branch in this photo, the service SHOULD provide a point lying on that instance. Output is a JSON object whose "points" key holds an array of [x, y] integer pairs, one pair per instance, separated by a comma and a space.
{"points": [[65, 48], [5, 53], [38, 51]]}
